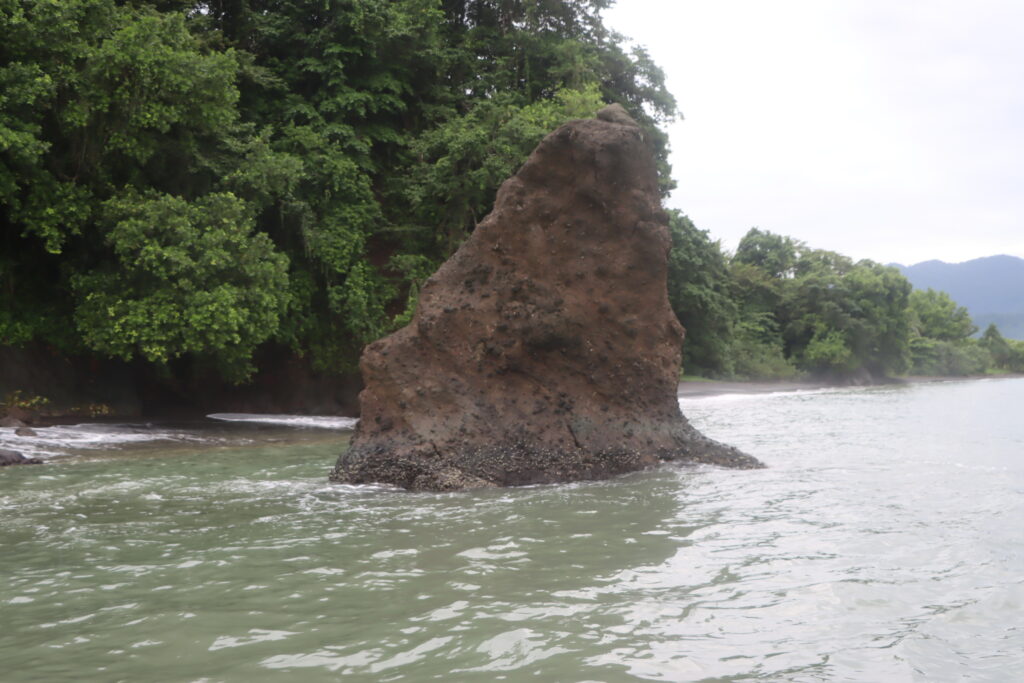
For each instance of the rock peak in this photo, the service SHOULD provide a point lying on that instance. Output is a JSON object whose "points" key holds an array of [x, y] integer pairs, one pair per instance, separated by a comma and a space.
{"points": [[616, 113]]}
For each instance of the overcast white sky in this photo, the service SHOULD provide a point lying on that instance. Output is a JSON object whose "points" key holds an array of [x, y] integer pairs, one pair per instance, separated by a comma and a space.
{"points": [[881, 129]]}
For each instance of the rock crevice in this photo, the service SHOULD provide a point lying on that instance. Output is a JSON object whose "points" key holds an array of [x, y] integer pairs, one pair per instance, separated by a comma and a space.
{"points": [[544, 349]]}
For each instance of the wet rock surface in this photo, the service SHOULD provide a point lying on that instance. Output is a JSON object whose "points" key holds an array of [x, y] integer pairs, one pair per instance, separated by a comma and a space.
{"points": [[544, 350], [9, 457], [11, 421]]}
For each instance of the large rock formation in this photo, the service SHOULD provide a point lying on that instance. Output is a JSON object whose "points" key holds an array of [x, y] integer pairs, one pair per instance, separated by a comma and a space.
{"points": [[544, 350]]}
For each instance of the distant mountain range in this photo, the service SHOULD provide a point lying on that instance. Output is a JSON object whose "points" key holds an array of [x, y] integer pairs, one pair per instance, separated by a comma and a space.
{"points": [[991, 288]]}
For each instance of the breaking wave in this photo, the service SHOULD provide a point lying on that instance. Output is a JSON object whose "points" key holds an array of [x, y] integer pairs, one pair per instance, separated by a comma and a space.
{"points": [[47, 442], [220, 429], [306, 421]]}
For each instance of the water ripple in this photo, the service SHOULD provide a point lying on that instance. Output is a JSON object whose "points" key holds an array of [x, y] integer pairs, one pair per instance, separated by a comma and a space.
{"points": [[882, 543]]}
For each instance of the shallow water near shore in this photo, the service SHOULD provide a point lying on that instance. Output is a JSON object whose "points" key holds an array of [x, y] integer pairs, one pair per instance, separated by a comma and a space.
{"points": [[884, 542]]}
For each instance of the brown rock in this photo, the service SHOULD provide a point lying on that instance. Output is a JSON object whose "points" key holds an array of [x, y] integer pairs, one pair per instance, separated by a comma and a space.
{"points": [[616, 113], [8, 457], [544, 350]]}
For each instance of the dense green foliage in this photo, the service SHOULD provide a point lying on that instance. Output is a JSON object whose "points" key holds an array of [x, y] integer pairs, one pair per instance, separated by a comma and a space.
{"points": [[698, 289], [190, 178], [778, 308], [197, 179]]}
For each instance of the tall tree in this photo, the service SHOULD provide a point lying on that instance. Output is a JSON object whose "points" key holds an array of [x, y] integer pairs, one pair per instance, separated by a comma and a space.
{"points": [[775, 254], [700, 294], [937, 316]]}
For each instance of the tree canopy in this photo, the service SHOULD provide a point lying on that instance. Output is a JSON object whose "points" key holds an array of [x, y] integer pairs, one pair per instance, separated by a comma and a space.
{"points": [[783, 308], [199, 178]]}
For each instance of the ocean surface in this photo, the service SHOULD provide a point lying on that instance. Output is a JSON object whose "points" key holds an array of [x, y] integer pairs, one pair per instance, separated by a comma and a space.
{"points": [[884, 542]]}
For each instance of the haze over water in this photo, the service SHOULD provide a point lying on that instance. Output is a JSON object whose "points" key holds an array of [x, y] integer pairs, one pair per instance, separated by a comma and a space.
{"points": [[882, 543]]}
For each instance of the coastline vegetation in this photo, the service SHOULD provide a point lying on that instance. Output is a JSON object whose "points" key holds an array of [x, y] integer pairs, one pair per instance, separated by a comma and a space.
{"points": [[197, 180], [778, 309]]}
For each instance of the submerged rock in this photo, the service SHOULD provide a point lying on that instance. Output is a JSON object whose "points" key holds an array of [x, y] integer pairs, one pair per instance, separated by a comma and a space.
{"points": [[544, 350], [9, 457]]}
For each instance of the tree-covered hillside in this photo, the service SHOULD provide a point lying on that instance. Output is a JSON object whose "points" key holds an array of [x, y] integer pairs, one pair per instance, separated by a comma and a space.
{"points": [[778, 308], [193, 180]]}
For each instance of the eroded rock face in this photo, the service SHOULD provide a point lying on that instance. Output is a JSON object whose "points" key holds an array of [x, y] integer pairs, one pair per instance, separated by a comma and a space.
{"points": [[544, 350]]}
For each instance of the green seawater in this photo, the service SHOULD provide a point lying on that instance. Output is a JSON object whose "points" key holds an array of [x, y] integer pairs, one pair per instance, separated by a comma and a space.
{"points": [[884, 542]]}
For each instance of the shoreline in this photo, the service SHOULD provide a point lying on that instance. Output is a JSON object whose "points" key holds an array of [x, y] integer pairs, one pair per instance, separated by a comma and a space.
{"points": [[690, 388], [704, 388], [714, 387]]}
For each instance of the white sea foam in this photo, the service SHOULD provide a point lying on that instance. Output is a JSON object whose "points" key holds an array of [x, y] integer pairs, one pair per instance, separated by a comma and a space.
{"points": [[314, 421], [731, 398], [48, 442], [60, 440]]}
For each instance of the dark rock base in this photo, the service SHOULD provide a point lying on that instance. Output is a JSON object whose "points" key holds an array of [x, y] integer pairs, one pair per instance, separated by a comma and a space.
{"points": [[520, 463]]}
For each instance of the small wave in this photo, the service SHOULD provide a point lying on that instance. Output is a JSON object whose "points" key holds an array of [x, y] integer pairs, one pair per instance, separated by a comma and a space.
{"points": [[754, 395], [314, 421], [60, 440], [49, 442]]}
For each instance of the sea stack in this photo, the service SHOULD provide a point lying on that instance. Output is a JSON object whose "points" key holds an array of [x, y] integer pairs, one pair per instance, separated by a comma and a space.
{"points": [[544, 350]]}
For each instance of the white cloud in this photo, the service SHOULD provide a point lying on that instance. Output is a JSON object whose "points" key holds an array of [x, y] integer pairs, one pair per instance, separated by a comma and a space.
{"points": [[881, 130]]}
